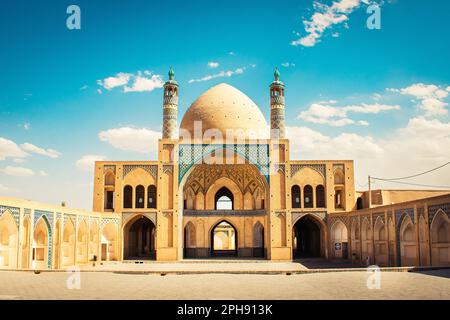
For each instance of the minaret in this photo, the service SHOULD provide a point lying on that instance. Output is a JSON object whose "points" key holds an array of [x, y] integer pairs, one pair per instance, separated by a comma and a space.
{"points": [[277, 119], [170, 107]]}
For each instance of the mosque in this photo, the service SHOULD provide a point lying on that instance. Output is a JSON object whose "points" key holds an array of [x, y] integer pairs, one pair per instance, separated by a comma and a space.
{"points": [[224, 186]]}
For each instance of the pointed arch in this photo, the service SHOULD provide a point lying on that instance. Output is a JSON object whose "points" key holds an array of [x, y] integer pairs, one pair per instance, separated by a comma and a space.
{"points": [[109, 242], [380, 242], [408, 245], [339, 240], [258, 240], [190, 240], [366, 238], [224, 239], [41, 244], [8, 241], [82, 243], [355, 239], [68, 244], [93, 239], [440, 239]]}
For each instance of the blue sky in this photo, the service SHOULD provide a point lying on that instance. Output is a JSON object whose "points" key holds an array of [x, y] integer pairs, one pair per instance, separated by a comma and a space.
{"points": [[375, 96]]}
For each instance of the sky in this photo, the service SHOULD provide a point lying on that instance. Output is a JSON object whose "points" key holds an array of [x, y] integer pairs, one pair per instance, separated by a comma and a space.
{"points": [[69, 97]]}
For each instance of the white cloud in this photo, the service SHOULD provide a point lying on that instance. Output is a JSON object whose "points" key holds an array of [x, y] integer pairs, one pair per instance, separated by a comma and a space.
{"points": [[19, 160], [430, 97], [17, 171], [325, 17], [9, 148], [420, 145], [228, 73], [213, 64], [43, 152], [42, 173], [288, 64], [4, 189], [322, 113], [140, 140], [25, 126], [120, 79], [142, 81], [86, 162]]}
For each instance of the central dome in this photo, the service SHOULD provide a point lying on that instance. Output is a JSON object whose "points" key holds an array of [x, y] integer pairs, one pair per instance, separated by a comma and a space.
{"points": [[225, 109]]}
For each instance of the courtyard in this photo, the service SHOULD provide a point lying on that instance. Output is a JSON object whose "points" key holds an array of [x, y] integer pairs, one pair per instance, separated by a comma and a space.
{"points": [[98, 285]]}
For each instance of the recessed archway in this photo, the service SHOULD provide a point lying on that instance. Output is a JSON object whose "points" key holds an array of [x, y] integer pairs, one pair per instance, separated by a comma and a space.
{"points": [[139, 239], [307, 237], [339, 240], [224, 199], [8, 241], [224, 240]]}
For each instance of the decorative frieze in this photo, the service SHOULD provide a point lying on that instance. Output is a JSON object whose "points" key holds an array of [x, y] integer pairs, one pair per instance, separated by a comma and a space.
{"points": [[320, 168], [152, 169]]}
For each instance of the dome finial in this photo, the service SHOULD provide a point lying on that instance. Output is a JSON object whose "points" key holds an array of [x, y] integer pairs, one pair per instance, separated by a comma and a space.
{"points": [[171, 73], [276, 74]]}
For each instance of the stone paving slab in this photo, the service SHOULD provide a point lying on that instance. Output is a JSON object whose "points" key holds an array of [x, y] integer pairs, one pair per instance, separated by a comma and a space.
{"points": [[345, 285]]}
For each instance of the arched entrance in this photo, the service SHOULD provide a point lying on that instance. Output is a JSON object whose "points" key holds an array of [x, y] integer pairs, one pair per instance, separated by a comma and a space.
{"points": [[339, 240], [139, 239], [306, 238], [224, 240]]}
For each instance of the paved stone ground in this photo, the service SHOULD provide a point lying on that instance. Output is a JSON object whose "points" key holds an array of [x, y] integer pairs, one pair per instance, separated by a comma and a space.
{"points": [[334, 285]]}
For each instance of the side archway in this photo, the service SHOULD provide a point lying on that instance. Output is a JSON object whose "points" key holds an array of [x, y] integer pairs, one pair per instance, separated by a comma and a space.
{"points": [[8, 241], [190, 240], [41, 244], [440, 239], [258, 240], [381, 242], [339, 240], [109, 242], [68, 244], [408, 245]]}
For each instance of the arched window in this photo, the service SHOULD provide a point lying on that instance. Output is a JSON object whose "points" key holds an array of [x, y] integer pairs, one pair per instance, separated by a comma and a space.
{"points": [[109, 179], [296, 196], [320, 196], [308, 196], [151, 196], [224, 200], [140, 191], [127, 197]]}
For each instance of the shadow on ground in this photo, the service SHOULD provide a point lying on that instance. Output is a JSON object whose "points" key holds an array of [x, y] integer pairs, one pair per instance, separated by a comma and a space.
{"points": [[320, 263], [443, 273]]}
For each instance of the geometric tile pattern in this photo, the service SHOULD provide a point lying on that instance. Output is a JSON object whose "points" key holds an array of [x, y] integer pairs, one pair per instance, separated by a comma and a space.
{"points": [[14, 211], [399, 217], [105, 221], [432, 210], [190, 154], [152, 169], [48, 219], [320, 168]]}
